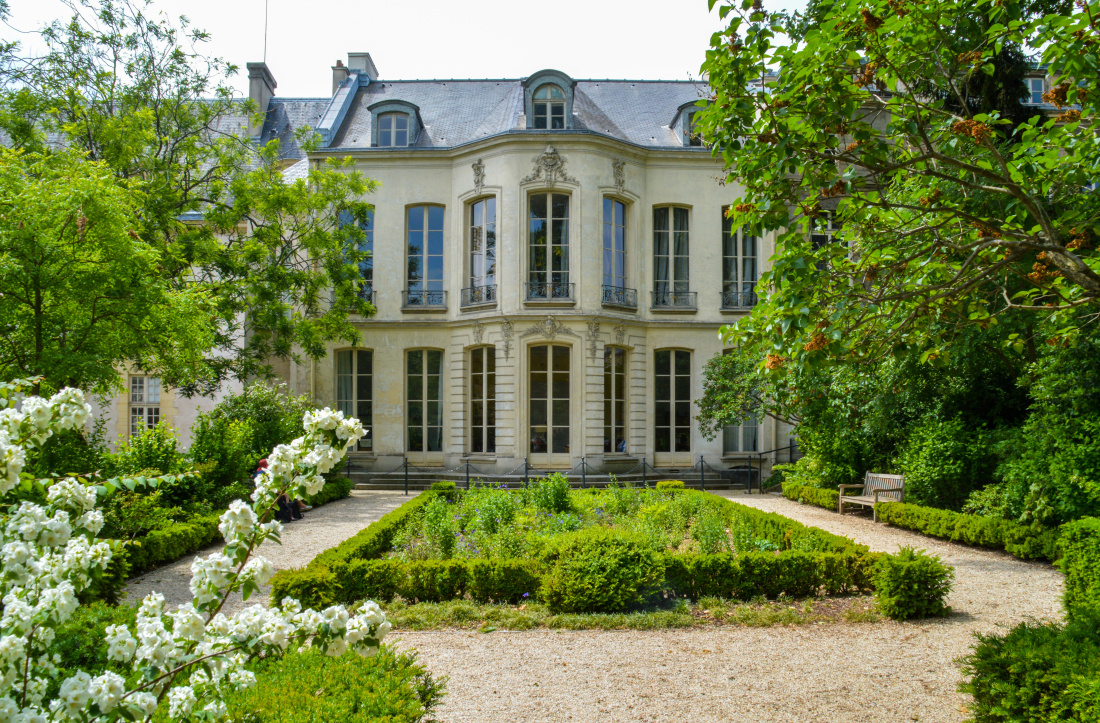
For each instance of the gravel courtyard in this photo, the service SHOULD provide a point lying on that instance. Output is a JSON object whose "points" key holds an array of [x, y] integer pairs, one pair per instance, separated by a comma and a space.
{"points": [[837, 672]]}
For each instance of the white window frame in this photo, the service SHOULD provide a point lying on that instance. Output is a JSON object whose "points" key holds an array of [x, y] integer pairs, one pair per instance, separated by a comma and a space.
{"points": [[616, 366], [351, 397], [145, 394], [671, 283], [553, 105], [389, 128], [425, 400], [483, 369]]}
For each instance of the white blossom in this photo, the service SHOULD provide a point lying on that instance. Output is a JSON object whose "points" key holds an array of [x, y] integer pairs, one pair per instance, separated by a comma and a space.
{"points": [[107, 690], [180, 701]]}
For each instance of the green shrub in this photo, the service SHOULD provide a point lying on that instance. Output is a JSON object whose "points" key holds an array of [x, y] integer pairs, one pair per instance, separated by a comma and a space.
{"points": [[71, 452], [944, 461], [748, 575], [912, 584], [670, 484], [447, 488], [817, 496], [224, 447], [600, 570], [128, 515], [155, 448], [81, 641], [309, 687], [1037, 672], [551, 493], [1023, 541], [336, 488], [1081, 563], [170, 543]]}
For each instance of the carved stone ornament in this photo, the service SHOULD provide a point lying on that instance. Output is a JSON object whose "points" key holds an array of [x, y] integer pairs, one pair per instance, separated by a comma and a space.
{"points": [[506, 329], [618, 169], [620, 332], [549, 327], [593, 336], [479, 332], [479, 175], [549, 165]]}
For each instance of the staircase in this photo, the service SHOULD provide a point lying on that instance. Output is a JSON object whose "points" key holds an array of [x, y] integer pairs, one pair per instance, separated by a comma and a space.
{"points": [[419, 481]]}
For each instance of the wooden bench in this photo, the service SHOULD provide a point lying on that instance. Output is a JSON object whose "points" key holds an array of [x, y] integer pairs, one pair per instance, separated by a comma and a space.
{"points": [[875, 485]]}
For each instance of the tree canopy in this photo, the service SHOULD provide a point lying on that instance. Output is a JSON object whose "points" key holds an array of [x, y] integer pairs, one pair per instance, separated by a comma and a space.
{"points": [[890, 122], [276, 259]]}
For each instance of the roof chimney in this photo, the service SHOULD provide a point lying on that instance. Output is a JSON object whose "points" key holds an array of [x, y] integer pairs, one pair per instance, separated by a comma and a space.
{"points": [[339, 75], [261, 88], [361, 63]]}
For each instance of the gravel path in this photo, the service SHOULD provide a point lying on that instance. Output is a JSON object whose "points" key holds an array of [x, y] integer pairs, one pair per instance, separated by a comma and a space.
{"points": [[318, 530], [842, 672]]}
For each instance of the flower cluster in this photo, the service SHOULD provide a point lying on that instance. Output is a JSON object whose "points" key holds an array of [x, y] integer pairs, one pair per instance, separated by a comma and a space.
{"points": [[183, 659]]}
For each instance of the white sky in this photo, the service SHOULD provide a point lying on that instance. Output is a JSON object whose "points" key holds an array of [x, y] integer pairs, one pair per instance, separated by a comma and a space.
{"points": [[637, 39]]}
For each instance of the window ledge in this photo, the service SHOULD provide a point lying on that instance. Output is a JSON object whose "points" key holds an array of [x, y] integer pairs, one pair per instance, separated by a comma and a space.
{"points": [[673, 309], [424, 309], [478, 306], [624, 307], [736, 309], [550, 302], [740, 457]]}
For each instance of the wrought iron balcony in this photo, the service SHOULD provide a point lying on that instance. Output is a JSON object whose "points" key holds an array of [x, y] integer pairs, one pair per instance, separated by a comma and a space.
{"points": [[422, 299], [549, 291], [479, 296], [674, 300], [366, 293], [620, 296], [743, 298]]}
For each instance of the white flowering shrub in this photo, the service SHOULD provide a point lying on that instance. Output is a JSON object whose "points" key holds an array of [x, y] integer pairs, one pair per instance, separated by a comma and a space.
{"points": [[181, 660]]}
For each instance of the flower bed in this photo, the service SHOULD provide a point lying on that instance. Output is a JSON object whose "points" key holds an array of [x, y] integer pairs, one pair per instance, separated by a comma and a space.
{"points": [[550, 542]]}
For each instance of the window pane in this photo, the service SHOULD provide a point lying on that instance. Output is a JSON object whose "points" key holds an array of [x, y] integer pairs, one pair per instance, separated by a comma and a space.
{"points": [[663, 362], [561, 358], [435, 361], [561, 440]]}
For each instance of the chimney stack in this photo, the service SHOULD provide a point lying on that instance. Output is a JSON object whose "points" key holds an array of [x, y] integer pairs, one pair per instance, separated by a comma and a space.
{"points": [[261, 89], [339, 75], [361, 63]]}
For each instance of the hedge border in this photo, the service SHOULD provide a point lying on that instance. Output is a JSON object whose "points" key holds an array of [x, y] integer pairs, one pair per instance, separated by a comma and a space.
{"points": [[817, 496], [1022, 541], [1080, 562], [354, 569]]}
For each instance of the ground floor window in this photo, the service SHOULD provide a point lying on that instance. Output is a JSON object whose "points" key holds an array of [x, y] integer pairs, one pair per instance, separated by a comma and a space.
{"points": [[549, 398], [742, 437], [483, 415], [355, 390], [424, 408], [614, 399], [144, 404], [672, 391]]}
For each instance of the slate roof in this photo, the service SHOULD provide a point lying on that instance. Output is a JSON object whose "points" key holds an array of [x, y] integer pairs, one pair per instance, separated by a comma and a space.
{"points": [[456, 112]]}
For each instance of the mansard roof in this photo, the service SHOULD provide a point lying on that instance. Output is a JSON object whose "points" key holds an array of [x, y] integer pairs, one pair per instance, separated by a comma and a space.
{"points": [[458, 112]]}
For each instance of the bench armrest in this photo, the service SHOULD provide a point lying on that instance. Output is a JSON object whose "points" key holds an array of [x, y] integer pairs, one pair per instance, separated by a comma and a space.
{"points": [[850, 487]]}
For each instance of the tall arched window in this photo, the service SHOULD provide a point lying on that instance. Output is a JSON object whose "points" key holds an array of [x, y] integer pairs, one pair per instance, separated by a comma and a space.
{"points": [[670, 256], [549, 106], [355, 389], [483, 252], [483, 417], [424, 257]]}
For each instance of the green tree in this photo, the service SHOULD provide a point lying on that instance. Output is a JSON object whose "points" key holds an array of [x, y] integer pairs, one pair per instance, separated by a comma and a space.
{"points": [[878, 112], [276, 257], [80, 291]]}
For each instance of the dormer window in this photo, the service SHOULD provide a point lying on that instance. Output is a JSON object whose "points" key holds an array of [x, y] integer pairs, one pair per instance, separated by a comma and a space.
{"points": [[393, 130], [693, 137], [395, 124], [549, 106]]}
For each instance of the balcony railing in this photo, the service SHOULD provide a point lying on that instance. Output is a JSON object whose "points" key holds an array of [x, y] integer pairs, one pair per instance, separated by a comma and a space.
{"points": [[620, 296], [743, 298], [366, 293], [674, 300], [421, 299], [549, 291], [479, 295]]}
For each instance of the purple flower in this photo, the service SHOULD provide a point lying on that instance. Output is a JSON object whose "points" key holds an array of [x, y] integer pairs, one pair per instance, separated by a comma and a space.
{"points": [[526, 594]]}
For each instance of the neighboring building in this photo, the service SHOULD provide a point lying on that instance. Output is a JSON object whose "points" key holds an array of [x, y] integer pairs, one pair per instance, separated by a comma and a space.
{"points": [[551, 265]]}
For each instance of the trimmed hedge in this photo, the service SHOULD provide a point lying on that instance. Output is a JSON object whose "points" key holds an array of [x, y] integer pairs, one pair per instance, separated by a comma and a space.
{"points": [[355, 569], [166, 545], [670, 484], [818, 496], [336, 488], [1025, 542], [1036, 672], [1081, 563]]}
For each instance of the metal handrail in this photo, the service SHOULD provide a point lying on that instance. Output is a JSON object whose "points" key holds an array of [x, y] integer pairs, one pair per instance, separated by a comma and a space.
{"points": [[620, 296], [740, 299], [478, 295], [674, 299], [423, 299], [549, 291]]}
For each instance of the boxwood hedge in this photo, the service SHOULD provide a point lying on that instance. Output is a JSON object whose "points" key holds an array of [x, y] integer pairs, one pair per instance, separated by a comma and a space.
{"points": [[356, 569]]}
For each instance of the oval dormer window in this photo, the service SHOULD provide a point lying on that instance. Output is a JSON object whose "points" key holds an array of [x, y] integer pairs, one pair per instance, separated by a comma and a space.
{"points": [[549, 106], [393, 130]]}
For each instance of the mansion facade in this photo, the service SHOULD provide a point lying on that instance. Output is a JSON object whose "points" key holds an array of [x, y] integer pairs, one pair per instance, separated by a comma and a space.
{"points": [[550, 263]]}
